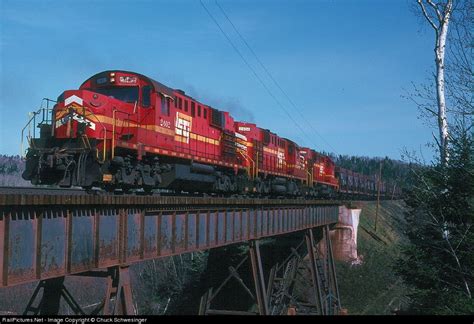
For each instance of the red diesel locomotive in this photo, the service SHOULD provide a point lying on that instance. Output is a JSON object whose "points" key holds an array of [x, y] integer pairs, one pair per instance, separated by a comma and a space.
{"points": [[123, 130]]}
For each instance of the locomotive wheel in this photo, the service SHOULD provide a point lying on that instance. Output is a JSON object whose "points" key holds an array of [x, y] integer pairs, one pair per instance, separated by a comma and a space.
{"points": [[148, 190], [88, 189], [266, 187]]}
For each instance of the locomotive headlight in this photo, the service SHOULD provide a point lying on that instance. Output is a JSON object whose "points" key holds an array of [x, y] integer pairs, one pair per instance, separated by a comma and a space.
{"points": [[112, 79], [112, 74]]}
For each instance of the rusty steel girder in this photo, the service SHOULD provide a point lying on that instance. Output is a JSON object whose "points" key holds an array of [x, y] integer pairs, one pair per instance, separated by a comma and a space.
{"points": [[50, 236]]}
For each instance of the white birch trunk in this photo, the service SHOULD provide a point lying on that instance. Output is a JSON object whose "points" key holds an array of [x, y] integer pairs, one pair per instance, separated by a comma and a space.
{"points": [[440, 54], [441, 30]]}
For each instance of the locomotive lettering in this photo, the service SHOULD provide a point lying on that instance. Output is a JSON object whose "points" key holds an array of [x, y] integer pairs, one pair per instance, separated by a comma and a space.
{"points": [[165, 123], [183, 127], [127, 79], [63, 121]]}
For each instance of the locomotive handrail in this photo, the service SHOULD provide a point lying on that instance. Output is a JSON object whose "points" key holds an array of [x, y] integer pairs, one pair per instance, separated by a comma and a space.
{"points": [[29, 130], [248, 158], [105, 133], [256, 166], [33, 119], [113, 127], [310, 174]]}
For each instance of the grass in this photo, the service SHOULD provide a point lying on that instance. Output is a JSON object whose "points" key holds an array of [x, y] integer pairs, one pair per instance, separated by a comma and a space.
{"points": [[373, 288]]}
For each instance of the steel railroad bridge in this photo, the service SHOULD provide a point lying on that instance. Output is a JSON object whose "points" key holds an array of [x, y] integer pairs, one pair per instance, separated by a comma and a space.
{"points": [[47, 236]]}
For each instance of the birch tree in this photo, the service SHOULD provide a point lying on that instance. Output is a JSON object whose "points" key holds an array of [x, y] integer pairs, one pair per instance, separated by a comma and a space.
{"points": [[437, 260], [438, 15]]}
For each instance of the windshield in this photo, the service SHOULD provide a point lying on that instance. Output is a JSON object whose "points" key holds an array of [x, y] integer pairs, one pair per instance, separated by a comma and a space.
{"points": [[127, 94]]}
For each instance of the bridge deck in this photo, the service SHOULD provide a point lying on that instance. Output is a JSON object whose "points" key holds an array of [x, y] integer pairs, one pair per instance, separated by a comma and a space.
{"points": [[47, 236]]}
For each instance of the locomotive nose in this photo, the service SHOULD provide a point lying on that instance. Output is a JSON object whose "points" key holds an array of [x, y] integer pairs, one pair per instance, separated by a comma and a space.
{"points": [[73, 117]]}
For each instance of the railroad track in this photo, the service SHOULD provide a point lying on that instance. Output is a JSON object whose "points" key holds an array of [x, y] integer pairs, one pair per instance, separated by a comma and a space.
{"points": [[41, 191], [34, 196]]}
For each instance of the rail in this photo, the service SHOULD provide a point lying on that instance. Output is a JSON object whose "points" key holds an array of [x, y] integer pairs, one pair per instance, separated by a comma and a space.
{"points": [[37, 199]]}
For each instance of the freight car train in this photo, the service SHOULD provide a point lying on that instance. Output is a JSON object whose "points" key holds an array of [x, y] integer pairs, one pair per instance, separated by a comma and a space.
{"points": [[123, 130]]}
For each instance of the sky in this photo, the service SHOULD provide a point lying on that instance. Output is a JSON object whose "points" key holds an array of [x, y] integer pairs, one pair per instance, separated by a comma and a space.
{"points": [[344, 64]]}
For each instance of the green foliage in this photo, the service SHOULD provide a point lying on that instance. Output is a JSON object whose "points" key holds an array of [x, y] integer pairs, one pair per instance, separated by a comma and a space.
{"points": [[393, 171], [11, 168], [11, 164], [439, 261], [163, 283], [373, 287]]}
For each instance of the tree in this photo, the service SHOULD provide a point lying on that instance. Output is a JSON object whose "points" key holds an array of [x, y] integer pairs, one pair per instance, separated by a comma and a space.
{"points": [[437, 262], [164, 283], [438, 15], [459, 81]]}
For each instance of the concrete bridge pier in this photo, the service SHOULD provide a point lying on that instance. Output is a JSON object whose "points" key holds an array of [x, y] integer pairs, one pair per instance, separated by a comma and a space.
{"points": [[344, 234]]}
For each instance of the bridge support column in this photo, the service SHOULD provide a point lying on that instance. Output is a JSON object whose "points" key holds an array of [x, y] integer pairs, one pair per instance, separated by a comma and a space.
{"points": [[208, 297], [315, 274], [283, 282], [286, 281], [260, 290], [117, 301], [333, 302], [258, 279], [49, 303], [119, 288]]}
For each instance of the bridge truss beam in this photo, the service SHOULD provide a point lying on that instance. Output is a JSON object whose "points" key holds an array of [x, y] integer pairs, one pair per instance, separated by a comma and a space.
{"points": [[282, 296], [117, 300]]}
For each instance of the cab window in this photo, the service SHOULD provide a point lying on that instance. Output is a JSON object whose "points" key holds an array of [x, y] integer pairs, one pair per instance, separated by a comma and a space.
{"points": [[165, 108], [146, 96], [126, 94]]}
